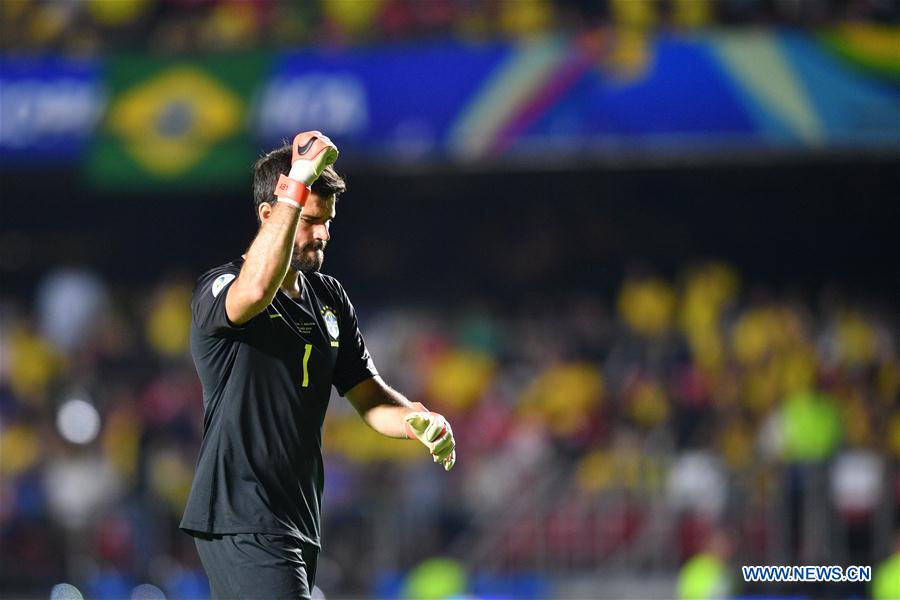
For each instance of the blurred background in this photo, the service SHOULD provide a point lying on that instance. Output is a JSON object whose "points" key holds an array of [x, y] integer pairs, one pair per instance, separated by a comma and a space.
{"points": [[643, 255]]}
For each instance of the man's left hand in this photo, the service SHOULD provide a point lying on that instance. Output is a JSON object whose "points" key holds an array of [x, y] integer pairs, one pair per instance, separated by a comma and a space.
{"points": [[433, 430]]}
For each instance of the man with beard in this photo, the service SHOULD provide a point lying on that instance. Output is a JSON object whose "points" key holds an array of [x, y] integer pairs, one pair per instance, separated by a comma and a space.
{"points": [[270, 335]]}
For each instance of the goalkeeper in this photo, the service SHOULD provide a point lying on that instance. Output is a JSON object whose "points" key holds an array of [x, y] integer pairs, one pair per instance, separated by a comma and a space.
{"points": [[270, 335]]}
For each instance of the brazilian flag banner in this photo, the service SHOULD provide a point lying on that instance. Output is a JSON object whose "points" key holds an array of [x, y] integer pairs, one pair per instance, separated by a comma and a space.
{"points": [[176, 124]]}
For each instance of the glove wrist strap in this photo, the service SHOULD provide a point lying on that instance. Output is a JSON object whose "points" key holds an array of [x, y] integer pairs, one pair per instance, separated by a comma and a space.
{"points": [[410, 433], [292, 189]]}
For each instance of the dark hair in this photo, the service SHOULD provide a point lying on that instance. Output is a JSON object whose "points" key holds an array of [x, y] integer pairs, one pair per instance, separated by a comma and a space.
{"points": [[278, 162]]}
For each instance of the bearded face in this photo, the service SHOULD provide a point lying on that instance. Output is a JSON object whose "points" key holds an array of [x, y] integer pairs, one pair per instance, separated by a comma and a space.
{"points": [[309, 257]]}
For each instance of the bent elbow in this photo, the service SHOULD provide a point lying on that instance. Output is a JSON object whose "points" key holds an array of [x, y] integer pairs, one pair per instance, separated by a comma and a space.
{"points": [[246, 301], [257, 295]]}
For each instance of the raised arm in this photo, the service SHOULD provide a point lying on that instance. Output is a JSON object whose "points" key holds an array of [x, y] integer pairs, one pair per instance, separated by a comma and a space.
{"points": [[269, 256], [265, 265]]}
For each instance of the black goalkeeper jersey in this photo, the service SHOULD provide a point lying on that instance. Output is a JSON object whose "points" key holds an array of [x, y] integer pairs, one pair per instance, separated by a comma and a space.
{"points": [[266, 386]]}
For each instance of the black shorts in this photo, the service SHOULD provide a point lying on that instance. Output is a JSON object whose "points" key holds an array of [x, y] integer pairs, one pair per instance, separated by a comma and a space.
{"points": [[257, 565]]}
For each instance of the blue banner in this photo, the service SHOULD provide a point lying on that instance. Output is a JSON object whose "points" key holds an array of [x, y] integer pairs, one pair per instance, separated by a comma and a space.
{"points": [[49, 107], [392, 101], [581, 96], [552, 98]]}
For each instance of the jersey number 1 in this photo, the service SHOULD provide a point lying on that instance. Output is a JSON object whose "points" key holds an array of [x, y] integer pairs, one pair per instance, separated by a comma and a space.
{"points": [[306, 352]]}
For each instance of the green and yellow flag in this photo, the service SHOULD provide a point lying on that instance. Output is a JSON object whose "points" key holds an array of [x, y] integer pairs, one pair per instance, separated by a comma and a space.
{"points": [[176, 123]]}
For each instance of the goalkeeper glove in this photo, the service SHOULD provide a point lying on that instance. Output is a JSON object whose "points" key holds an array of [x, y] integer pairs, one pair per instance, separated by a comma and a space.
{"points": [[433, 430], [311, 153]]}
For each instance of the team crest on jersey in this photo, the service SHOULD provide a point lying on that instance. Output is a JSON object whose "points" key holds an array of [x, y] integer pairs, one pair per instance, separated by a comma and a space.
{"points": [[220, 282], [331, 322]]}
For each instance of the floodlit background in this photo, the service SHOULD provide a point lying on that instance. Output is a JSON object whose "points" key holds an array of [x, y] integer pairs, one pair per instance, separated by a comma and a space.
{"points": [[643, 254]]}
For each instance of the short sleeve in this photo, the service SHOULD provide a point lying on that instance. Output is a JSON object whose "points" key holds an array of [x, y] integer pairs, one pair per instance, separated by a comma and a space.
{"points": [[354, 364], [208, 303]]}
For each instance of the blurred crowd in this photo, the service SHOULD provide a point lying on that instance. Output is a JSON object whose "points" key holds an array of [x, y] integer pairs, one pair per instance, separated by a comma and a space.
{"points": [[675, 422], [171, 26]]}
